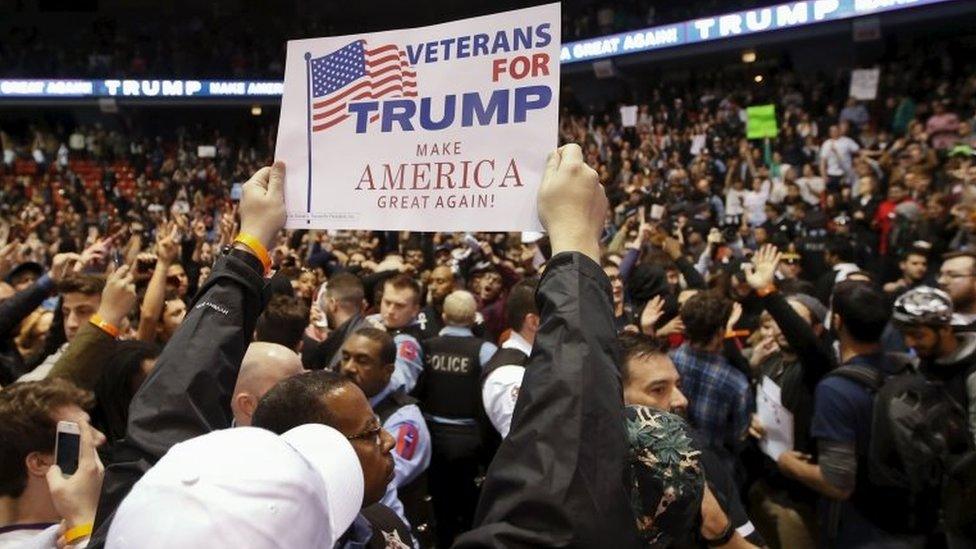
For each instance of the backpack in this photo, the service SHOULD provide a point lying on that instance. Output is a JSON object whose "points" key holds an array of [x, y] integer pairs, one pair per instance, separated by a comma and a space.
{"points": [[917, 433]]}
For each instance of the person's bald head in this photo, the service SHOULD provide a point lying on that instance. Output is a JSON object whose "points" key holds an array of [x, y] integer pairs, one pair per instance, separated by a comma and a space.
{"points": [[264, 365]]}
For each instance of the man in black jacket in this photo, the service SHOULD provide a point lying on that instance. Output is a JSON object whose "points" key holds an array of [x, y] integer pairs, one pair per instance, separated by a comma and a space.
{"points": [[558, 478], [188, 394]]}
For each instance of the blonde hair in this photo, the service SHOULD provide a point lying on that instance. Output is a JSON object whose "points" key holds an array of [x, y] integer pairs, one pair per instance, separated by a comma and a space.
{"points": [[460, 308]]}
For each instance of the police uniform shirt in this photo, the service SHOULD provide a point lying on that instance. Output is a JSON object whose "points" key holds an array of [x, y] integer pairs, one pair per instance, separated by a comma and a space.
{"points": [[411, 453], [484, 355], [501, 388], [410, 356]]}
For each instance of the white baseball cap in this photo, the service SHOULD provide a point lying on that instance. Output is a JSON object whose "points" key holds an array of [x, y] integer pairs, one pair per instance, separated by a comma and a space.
{"points": [[245, 487]]}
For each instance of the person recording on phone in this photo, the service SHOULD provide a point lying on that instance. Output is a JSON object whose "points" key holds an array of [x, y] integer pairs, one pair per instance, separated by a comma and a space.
{"points": [[50, 474]]}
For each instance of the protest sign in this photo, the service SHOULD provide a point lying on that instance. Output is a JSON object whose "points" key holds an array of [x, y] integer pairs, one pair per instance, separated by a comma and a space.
{"points": [[439, 128], [864, 83], [775, 418], [628, 116], [761, 121]]}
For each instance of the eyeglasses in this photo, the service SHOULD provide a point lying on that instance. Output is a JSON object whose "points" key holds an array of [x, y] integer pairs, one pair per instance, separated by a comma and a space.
{"points": [[955, 275], [375, 434]]}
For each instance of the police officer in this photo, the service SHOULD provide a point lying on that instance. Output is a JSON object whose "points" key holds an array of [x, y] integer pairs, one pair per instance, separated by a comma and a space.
{"points": [[503, 373], [398, 316], [450, 392], [368, 358]]}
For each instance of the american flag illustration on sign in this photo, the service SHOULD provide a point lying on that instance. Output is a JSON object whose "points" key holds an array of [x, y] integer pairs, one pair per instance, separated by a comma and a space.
{"points": [[357, 72]]}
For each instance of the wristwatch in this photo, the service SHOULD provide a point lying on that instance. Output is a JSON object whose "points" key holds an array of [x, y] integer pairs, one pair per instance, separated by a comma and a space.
{"points": [[245, 256]]}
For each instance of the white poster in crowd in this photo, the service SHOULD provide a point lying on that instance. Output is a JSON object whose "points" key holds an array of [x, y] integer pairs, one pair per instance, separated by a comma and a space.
{"points": [[439, 128], [775, 418], [864, 83], [628, 116]]}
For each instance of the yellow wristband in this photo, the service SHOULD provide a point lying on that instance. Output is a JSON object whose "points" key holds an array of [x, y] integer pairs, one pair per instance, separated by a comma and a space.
{"points": [[78, 532], [104, 326], [255, 246]]}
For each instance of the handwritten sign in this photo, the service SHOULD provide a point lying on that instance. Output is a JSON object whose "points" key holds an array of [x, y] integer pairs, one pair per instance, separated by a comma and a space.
{"points": [[864, 83], [775, 418], [440, 128]]}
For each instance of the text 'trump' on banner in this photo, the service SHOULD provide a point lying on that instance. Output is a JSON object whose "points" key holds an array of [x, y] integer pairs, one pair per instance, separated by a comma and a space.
{"points": [[439, 128]]}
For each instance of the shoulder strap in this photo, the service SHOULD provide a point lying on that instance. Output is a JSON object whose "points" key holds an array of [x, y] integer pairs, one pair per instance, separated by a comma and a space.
{"points": [[393, 402], [384, 523], [865, 376], [503, 357]]}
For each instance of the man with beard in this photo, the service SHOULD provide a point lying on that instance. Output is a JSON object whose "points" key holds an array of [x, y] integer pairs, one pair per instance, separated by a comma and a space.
{"points": [[914, 265], [343, 310], [948, 363], [923, 315], [650, 379], [957, 277]]}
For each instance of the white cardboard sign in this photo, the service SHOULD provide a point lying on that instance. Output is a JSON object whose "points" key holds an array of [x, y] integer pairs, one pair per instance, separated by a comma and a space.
{"points": [[864, 83], [440, 128]]}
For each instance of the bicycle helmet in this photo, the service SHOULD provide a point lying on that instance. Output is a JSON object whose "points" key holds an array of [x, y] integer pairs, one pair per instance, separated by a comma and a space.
{"points": [[923, 305]]}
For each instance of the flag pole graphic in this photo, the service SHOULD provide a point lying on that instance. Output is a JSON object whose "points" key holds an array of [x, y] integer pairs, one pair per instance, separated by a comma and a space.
{"points": [[308, 95]]}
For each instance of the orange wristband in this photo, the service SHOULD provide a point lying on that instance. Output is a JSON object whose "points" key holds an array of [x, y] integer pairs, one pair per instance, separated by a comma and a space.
{"points": [[730, 334], [77, 533], [255, 246], [763, 292], [104, 326]]}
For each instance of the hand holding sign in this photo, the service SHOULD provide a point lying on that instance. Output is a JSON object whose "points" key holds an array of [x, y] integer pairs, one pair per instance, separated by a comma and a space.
{"points": [[572, 203], [263, 204]]}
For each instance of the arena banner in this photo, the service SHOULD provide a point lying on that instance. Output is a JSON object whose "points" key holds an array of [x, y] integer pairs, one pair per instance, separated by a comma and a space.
{"points": [[439, 128]]}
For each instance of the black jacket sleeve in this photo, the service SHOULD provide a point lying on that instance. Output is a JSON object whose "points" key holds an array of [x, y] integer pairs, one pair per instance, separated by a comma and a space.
{"points": [[816, 358], [558, 478], [188, 394], [694, 279], [20, 305]]}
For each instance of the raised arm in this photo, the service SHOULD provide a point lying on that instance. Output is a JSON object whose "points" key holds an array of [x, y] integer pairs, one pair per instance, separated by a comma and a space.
{"points": [[188, 393], [812, 353], [557, 479], [167, 251], [83, 360]]}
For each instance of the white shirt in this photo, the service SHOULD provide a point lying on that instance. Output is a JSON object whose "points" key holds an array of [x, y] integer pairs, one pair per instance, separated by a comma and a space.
{"points": [[837, 154], [501, 388], [42, 370], [733, 202], [754, 203], [32, 538], [844, 270], [810, 189]]}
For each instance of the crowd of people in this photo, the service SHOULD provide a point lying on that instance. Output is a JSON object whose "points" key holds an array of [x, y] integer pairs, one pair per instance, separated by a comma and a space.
{"points": [[608, 383], [224, 42]]}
